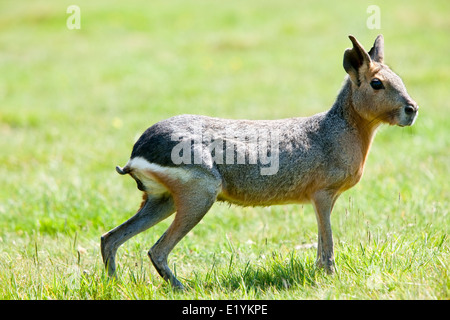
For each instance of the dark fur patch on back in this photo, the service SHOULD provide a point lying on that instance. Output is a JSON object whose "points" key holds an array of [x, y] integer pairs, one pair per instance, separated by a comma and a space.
{"points": [[154, 145]]}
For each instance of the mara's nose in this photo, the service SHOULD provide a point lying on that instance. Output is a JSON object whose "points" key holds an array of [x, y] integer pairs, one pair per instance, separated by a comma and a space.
{"points": [[411, 109]]}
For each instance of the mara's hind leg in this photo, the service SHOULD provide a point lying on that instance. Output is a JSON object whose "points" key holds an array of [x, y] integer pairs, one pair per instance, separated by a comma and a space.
{"points": [[153, 210], [192, 205]]}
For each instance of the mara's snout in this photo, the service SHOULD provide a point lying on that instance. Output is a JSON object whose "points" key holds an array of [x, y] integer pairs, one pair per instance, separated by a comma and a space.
{"points": [[408, 115]]}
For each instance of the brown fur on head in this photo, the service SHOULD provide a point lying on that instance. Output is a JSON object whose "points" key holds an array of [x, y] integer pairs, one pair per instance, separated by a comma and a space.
{"points": [[378, 94]]}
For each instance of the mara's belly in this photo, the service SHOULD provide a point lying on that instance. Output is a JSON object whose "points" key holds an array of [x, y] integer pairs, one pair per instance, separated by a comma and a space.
{"points": [[258, 193]]}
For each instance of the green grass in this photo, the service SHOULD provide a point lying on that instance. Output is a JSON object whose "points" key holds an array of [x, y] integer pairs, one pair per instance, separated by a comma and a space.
{"points": [[72, 103]]}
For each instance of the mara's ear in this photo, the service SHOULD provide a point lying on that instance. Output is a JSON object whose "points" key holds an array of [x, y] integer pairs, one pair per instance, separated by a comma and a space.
{"points": [[377, 51], [356, 60]]}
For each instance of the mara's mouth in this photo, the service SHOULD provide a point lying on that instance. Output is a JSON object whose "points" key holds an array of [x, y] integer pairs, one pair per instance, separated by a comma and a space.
{"points": [[408, 121]]}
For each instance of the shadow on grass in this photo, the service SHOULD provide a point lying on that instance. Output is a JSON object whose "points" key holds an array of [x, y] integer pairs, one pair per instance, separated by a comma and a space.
{"points": [[281, 273]]}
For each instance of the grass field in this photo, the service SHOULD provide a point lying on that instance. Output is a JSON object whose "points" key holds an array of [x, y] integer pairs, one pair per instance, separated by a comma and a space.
{"points": [[72, 103]]}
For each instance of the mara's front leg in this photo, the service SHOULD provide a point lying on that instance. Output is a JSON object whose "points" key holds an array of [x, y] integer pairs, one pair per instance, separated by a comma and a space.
{"points": [[323, 202]]}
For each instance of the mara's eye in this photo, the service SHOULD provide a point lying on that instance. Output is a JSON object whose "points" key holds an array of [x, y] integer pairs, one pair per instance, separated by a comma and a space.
{"points": [[376, 84]]}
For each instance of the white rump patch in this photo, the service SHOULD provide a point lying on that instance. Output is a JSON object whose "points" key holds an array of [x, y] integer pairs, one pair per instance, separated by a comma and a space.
{"points": [[142, 170]]}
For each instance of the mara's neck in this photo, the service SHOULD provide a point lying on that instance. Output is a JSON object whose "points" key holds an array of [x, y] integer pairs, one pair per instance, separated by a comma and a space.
{"points": [[343, 107]]}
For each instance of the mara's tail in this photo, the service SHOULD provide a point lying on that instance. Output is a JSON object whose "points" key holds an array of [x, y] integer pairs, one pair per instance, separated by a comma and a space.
{"points": [[126, 170], [123, 170]]}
